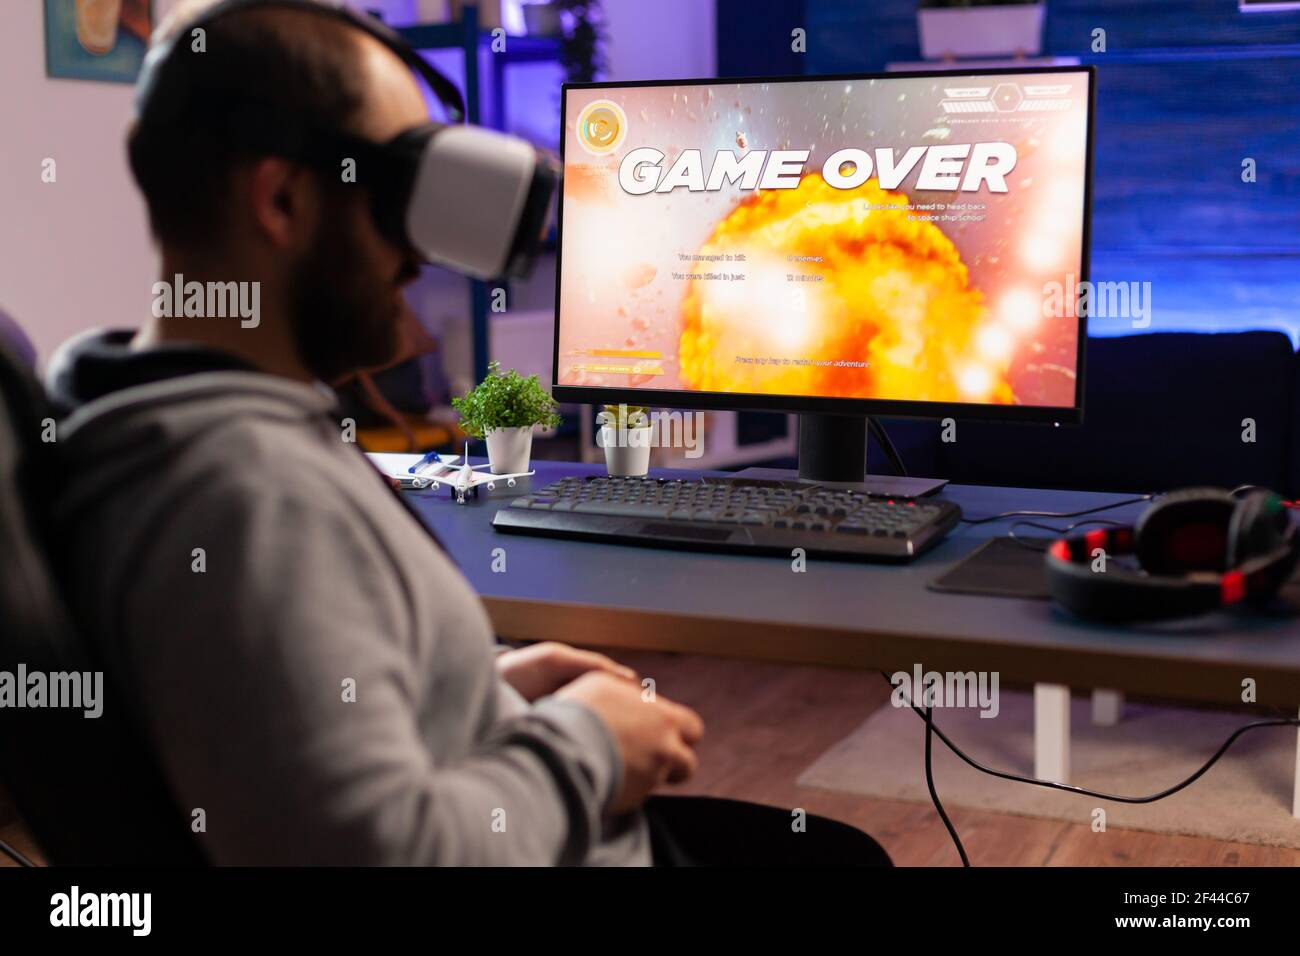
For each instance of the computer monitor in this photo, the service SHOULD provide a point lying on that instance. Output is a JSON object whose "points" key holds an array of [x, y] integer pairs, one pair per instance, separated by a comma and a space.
{"points": [[902, 244]]}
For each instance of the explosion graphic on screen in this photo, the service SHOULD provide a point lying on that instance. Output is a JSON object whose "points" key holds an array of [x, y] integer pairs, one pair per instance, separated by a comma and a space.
{"points": [[862, 301]]}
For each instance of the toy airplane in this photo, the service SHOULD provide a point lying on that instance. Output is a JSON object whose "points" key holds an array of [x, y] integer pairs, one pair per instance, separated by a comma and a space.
{"points": [[464, 480]]}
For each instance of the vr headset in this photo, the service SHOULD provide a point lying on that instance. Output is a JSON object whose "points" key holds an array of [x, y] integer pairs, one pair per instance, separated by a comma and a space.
{"points": [[1199, 549], [464, 197]]}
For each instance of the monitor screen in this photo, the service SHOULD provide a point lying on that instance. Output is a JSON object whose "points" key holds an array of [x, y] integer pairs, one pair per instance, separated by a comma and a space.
{"points": [[900, 243]]}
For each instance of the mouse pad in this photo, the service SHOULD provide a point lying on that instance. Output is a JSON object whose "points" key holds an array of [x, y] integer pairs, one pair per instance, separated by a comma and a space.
{"points": [[1000, 567]]}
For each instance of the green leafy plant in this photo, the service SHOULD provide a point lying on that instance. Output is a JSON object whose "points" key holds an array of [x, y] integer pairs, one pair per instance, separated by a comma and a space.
{"points": [[624, 416], [582, 41], [505, 400]]}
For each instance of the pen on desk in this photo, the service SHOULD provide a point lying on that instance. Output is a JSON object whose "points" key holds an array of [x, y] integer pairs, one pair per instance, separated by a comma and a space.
{"points": [[431, 456]]}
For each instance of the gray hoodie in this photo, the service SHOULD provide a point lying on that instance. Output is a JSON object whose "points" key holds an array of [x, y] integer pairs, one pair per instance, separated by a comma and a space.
{"points": [[314, 672]]}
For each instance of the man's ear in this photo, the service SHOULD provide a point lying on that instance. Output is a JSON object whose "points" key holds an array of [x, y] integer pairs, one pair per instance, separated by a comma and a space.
{"points": [[283, 201]]}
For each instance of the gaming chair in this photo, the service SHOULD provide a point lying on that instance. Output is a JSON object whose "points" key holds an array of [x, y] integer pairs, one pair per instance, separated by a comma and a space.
{"points": [[88, 789]]}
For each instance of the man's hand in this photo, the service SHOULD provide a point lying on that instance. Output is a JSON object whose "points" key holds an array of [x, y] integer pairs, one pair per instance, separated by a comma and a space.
{"points": [[541, 669], [656, 737]]}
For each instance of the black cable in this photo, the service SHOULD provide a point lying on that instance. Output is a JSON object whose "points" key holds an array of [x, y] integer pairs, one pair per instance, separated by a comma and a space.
{"points": [[14, 855], [1056, 514], [879, 434], [934, 794], [1059, 532], [1082, 791]]}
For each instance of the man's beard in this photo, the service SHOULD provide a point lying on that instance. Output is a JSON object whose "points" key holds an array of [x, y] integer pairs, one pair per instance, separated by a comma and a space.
{"points": [[345, 317]]}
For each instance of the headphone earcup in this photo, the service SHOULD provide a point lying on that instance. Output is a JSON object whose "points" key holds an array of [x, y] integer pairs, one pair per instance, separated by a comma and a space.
{"points": [[1118, 594], [1257, 527], [1187, 530]]}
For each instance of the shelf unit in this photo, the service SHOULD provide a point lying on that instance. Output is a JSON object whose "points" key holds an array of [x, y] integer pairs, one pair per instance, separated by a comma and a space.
{"points": [[467, 36]]}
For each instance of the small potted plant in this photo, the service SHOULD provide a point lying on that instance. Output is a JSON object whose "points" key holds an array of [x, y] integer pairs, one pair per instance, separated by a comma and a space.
{"points": [[503, 409], [542, 19], [625, 435], [954, 28]]}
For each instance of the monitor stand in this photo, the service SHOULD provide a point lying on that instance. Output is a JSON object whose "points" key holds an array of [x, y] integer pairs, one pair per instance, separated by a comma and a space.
{"points": [[833, 451]]}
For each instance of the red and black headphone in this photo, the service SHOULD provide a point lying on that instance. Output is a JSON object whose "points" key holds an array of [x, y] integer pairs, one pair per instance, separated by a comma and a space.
{"points": [[1198, 550]]}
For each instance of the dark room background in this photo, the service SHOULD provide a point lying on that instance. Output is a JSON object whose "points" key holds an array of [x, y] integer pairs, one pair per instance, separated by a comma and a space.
{"points": [[1187, 90]]}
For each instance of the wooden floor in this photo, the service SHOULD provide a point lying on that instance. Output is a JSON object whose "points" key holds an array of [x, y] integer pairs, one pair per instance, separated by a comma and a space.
{"points": [[766, 723], [13, 834]]}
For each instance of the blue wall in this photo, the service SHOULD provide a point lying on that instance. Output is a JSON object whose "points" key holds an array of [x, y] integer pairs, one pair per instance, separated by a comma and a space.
{"points": [[1186, 90]]}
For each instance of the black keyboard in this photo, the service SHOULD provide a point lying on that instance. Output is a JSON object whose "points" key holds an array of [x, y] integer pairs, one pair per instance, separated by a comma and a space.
{"points": [[745, 515]]}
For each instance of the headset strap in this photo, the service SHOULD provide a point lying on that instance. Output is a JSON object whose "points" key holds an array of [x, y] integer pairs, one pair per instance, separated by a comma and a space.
{"points": [[446, 92]]}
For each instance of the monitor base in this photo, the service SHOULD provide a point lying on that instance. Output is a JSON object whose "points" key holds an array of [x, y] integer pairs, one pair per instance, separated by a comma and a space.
{"points": [[879, 486], [833, 452]]}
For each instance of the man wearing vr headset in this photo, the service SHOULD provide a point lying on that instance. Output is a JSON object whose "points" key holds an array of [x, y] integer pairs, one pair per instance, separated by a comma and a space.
{"points": [[310, 666]]}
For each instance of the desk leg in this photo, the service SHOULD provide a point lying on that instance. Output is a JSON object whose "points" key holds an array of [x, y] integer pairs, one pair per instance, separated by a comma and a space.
{"points": [[1295, 798], [1052, 732], [1107, 707]]}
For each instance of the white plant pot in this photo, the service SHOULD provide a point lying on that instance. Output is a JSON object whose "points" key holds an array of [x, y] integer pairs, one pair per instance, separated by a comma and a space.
{"points": [[433, 11], [627, 450], [982, 31], [509, 450], [542, 20]]}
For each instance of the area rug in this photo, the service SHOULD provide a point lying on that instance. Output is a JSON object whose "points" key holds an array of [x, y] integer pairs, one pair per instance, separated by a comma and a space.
{"points": [[1245, 798]]}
